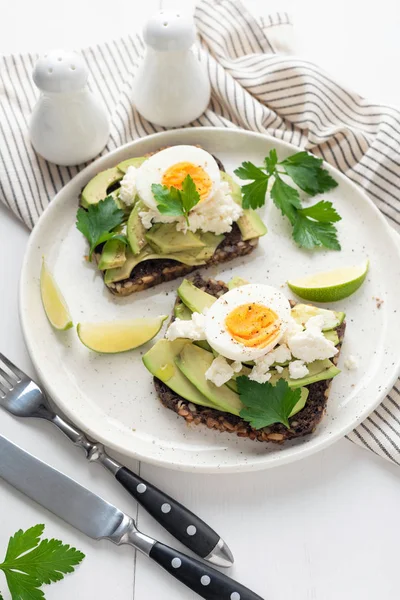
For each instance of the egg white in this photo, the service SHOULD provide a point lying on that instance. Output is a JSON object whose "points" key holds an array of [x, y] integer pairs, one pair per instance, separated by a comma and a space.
{"points": [[153, 169], [215, 329]]}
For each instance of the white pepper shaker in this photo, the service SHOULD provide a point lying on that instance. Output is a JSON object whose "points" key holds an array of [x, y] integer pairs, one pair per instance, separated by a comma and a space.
{"points": [[171, 86], [69, 124]]}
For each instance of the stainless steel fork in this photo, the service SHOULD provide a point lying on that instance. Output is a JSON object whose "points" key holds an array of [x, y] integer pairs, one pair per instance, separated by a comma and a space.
{"points": [[22, 397]]}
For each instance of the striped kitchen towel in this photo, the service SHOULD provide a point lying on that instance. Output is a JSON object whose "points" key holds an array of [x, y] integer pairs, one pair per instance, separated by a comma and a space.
{"points": [[256, 85]]}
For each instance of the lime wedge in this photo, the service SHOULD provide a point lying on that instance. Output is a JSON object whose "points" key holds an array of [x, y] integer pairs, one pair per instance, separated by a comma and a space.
{"points": [[331, 285], [119, 336], [53, 302]]}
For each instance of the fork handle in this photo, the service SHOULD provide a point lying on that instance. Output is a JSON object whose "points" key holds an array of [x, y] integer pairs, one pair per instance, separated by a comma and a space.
{"points": [[173, 516], [184, 525]]}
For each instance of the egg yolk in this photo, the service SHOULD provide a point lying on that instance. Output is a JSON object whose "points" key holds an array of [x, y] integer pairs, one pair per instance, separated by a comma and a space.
{"points": [[175, 174], [253, 325]]}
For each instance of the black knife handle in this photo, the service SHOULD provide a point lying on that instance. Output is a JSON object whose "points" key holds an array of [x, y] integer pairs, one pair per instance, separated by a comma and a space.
{"points": [[199, 577], [173, 516]]}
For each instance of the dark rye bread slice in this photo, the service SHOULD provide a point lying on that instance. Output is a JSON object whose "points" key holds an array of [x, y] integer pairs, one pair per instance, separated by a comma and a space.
{"points": [[303, 423], [150, 273]]}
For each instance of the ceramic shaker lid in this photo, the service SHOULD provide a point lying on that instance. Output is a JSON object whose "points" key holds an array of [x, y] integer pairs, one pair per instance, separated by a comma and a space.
{"points": [[170, 30], [60, 71]]}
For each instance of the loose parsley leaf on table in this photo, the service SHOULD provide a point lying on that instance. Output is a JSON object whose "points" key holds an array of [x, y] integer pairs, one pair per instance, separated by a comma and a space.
{"points": [[266, 404], [31, 562], [99, 221], [175, 203], [312, 226]]}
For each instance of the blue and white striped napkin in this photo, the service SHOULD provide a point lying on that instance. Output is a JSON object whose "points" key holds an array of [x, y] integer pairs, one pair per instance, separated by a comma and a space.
{"points": [[257, 85]]}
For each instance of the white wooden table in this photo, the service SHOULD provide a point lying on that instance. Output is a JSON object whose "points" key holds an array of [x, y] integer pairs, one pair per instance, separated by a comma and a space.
{"points": [[322, 529]]}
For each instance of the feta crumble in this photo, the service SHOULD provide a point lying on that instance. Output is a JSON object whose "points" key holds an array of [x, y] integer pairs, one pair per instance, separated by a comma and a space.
{"points": [[351, 363], [193, 329], [217, 215], [127, 192], [221, 371], [260, 371], [297, 369], [310, 344]]}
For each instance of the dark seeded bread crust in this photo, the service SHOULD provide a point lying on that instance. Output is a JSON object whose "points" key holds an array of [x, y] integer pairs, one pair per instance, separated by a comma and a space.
{"points": [[303, 423], [153, 272]]}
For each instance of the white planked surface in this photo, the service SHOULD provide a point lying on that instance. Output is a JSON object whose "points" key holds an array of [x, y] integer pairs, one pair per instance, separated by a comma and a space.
{"points": [[319, 530]]}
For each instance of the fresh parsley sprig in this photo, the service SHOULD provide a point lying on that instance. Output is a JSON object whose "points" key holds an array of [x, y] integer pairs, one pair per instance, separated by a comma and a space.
{"points": [[173, 202], [312, 226], [30, 562], [99, 221], [266, 404]]}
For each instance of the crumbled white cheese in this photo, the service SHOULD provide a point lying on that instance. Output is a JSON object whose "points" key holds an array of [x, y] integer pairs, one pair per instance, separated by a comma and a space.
{"points": [[127, 192], [351, 363], [292, 328], [260, 371], [215, 215], [259, 377], [279, 369], [297, 369], [311, 344], [221, 371], [193, 329]]}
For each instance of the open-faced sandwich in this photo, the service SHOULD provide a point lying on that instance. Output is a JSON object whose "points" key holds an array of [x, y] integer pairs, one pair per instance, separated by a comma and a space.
{"points": [[154, 218], [242, 358]]}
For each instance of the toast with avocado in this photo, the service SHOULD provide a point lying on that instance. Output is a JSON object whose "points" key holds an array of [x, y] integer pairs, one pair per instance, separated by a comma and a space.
{"points": [[181, 367], [164, 215]]}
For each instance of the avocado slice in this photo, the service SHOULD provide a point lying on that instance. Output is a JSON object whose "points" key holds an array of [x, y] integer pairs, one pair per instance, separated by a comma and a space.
{"points": [[160, 361], [302, 312], [181, 311], [164, 238], [97, 187], [131, 162], [332, 336], [193, 297], [319, 370], [250, 224], [236, 282], [113, 255], [300, 404], [193, 362], [113, 275], [211, 242], [135, 231]]}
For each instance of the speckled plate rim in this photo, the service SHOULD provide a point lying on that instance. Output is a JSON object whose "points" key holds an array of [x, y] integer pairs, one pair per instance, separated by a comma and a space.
{"points": [[310, 445]]}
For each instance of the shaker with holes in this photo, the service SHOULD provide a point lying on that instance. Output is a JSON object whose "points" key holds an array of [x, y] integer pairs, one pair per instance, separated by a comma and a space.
{"points": [[171, 86], [69, 124]]}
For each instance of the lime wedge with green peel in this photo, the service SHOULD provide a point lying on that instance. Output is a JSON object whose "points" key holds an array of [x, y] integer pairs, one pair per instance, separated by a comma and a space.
{"points": [[53, 302], [331, 285], [119, 336]]}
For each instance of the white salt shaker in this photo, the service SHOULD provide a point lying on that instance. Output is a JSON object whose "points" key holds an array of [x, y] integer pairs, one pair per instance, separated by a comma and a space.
{"points": [[69, 124], [171, 86]]}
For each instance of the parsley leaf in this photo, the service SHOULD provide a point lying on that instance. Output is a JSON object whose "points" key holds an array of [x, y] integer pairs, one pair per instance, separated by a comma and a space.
{"points": [[266, 404], [323, 211], [175, 203], [98, 222], [312, 226], [285, 198], [308, 233], [253, 193], [29, 563], [307, 172]]}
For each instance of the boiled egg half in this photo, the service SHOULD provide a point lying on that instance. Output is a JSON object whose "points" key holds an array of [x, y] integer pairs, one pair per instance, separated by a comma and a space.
{"points": [[247, 322], [169, 167]]}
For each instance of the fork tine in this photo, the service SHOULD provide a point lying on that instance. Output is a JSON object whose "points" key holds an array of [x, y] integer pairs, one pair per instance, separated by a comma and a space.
{"points": [[3, 391], [14, 370], [7, 378]]}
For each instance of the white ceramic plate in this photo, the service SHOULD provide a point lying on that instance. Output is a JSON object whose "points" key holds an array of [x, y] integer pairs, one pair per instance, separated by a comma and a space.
{"points": [[112, 397]]}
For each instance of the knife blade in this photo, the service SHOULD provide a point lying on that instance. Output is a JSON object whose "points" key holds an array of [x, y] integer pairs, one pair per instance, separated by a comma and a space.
{"points": [[98, 519]]}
